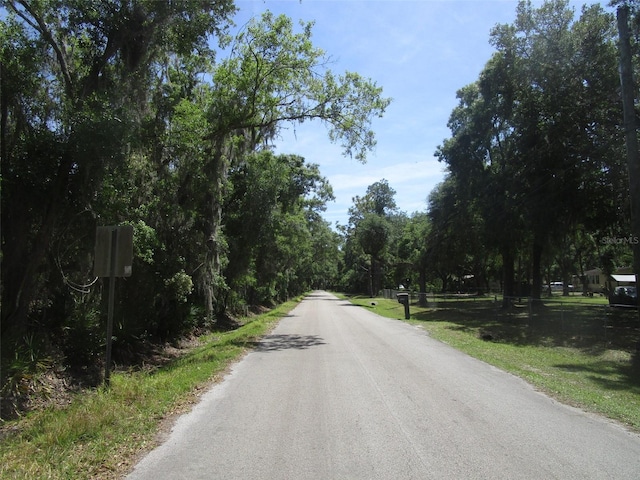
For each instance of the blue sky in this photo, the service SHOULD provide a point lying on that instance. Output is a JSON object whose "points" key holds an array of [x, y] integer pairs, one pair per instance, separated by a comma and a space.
{"points": [[421, 53]]}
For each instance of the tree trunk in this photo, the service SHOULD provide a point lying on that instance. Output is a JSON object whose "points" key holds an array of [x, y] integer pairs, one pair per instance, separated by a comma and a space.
{"points": [[19, 295], [445, 282], [631, 131], [508, 274], [536, 289], [211, 272], [422, 283], [4, 111], [371, 274]]}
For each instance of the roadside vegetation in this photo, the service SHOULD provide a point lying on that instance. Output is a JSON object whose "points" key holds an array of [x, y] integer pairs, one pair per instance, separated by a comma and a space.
{"points": [[576, 350], [100, 433]]}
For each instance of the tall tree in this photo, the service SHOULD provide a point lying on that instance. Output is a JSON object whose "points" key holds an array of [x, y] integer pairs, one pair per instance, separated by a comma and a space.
{"points": [[564, 81], [482, 187], [378, 199], [535, 139], [90, 70], [274, 76], [266, 192], [373, 233], [414, 249], [450, 241], [366, 241]]}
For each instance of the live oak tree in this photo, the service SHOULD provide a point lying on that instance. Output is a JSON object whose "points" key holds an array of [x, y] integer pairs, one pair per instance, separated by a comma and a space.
{"points": [[275, 76], [565, 82], [482, 194], [75, 77], [278, 245], [450, 240], [414, 249], [537, 138]]}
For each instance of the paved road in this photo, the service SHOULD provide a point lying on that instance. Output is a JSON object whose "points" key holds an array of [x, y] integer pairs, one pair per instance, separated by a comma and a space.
{"points": [[337, 392]]}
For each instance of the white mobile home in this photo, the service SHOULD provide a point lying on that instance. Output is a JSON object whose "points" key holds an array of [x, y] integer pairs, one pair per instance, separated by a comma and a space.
{"points": [[599, 282]]}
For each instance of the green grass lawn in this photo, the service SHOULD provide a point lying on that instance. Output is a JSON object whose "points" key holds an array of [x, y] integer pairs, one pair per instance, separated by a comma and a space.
{"points": [[101, 432], [575, 349]]}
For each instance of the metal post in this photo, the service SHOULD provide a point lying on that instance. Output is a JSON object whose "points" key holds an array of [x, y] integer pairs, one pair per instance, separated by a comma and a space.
{"points": [[112, 288]]}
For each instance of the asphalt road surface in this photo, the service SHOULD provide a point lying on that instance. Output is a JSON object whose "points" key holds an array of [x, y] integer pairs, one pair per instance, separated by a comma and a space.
{"points": [[337, 392]]}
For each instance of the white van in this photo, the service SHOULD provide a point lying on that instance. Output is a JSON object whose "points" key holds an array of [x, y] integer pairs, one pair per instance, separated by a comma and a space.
{"points": [[556, 286]]}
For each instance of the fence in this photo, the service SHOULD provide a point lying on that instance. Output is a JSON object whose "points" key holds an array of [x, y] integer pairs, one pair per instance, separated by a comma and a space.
{"points": [[435, 299]]}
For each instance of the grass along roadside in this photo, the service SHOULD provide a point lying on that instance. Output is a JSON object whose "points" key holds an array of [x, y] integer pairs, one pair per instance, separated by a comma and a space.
{"points": [[560, 352], [102, 433]]}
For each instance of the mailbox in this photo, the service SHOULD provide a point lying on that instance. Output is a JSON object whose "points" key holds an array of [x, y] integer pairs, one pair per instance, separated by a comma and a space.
{"points": [[403, 298]]}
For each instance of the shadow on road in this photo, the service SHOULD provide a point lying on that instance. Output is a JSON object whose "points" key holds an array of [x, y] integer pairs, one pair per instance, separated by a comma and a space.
{"points": [[322, 296], [270, 343]]}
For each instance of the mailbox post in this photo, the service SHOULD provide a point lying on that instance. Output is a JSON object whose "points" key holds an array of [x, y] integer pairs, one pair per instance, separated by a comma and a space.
{"points": [[403, 298]]}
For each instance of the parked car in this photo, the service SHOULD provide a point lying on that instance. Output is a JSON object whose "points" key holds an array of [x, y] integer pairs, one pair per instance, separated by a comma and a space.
{"points": [[624, 296], [558, 287]]}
